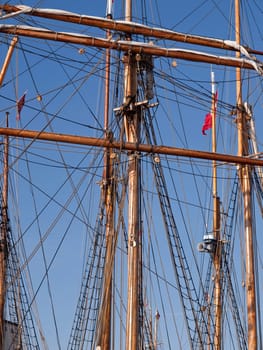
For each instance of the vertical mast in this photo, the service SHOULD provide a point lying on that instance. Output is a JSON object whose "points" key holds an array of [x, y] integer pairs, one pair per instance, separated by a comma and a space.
{"points": [[3, 238], [132, 129], [245, 180], [104, 336], [216, 229]]}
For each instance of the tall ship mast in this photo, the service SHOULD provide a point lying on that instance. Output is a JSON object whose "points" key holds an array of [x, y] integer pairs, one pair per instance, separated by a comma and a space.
{"points": [[131, 175]]}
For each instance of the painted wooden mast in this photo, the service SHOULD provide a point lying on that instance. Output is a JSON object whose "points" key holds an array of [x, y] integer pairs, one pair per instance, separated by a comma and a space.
{"points": [[132, 130], [245, 180]]}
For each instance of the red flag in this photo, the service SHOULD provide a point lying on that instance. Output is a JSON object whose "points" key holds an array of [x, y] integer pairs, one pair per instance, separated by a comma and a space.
{"points": [[208, 118], [207, 123], [20, 105]]}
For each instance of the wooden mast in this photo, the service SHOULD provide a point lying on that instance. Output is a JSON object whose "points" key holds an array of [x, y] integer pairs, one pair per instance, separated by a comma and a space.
{"points": [[216, 230], [245, 180], [104, 336], [132, 130]]}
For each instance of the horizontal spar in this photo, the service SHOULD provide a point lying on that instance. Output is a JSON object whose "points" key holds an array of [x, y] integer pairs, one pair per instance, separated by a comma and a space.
{"points": [[124, 26], [144, 148], [129, 46]]}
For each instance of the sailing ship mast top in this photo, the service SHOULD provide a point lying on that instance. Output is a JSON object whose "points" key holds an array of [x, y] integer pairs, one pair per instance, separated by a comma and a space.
{"points": [[246, 185], [131, 113]]}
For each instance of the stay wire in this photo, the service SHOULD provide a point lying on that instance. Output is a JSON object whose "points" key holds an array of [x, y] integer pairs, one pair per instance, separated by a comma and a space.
{"points": [[44, 255]]}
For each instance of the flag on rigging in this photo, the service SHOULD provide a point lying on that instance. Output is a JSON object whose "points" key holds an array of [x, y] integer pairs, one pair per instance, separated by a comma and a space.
{"points": [[20, 105], [207, 123], [208, 118]]}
